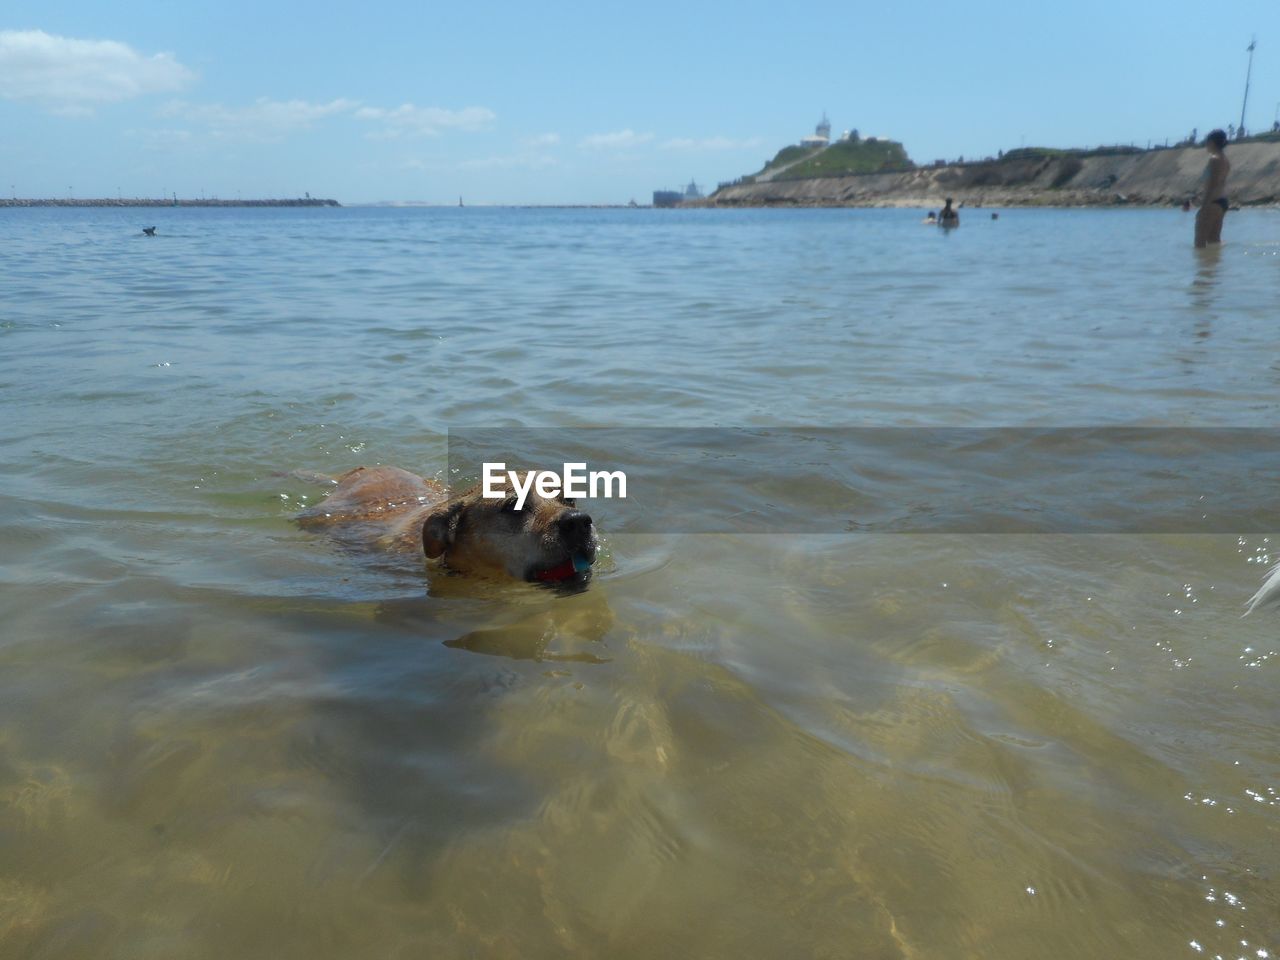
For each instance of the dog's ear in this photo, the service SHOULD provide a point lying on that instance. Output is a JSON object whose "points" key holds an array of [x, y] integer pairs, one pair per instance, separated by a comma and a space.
{"points": [[440, 528]]}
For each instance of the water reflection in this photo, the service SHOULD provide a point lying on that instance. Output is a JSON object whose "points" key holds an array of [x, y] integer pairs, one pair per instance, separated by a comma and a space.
{"points": [[1204, 304], [557, 628], [1203, 287]]}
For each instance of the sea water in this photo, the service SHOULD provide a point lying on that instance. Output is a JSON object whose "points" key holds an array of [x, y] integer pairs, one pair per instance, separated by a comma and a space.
{"points": [[221, 735]]}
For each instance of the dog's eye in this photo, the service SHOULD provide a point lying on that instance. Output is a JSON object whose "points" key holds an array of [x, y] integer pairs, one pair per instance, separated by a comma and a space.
{"points": [[569, 501]]}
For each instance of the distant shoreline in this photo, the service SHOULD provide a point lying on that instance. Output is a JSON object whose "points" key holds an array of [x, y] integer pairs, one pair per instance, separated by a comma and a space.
{"points": [[309, 202], [1163, 176], [426, 205], [146, 202]]}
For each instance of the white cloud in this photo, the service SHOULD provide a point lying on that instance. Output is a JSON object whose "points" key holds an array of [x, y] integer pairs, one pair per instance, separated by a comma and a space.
{"points": [[264, 119], [542, 140], [73, 76], [161, 140], [408, 119], [528, 161], [709, 143], [618, 140]]}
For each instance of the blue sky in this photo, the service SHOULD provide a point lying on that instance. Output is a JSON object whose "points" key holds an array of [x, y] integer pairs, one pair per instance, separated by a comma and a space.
{"points": [[585, 103]]}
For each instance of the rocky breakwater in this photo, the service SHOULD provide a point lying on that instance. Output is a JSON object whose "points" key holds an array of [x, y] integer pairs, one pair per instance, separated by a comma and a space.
{"points": [[154, 202], [1031, 178]]}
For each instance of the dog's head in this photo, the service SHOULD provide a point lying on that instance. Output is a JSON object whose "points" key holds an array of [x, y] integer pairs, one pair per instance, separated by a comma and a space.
{"points": [[546, 540]]}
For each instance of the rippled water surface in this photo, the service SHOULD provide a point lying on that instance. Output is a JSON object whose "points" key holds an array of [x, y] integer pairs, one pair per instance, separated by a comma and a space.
{"points": [[223, 736]]}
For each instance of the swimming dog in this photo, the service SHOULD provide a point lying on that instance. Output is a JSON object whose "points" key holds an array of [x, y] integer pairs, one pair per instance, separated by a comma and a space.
{"points": [[547, 540]]}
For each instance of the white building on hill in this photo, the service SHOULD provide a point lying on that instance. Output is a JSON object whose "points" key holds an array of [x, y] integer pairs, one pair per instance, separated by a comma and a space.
{"points": [[821, 134]]}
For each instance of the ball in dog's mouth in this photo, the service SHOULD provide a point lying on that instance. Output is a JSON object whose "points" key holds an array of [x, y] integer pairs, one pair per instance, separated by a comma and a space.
{"points": [[577, 538], [577, 564]]}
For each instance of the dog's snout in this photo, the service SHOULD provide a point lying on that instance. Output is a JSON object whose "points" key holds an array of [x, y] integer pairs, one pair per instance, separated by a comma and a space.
{"points": [[575, 527]]}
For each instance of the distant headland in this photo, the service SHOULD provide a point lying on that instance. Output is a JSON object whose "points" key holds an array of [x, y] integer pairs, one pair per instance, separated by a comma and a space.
{"points": [[855, 171], [171, 202]]}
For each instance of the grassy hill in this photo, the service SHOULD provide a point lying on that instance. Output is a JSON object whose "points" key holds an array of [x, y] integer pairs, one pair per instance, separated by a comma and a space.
{"points": [[842, 157], [851, 156], [787, 155]]}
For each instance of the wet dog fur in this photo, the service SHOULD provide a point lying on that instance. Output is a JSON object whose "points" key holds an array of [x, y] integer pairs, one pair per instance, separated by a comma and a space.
{"points": [[393, 509]]}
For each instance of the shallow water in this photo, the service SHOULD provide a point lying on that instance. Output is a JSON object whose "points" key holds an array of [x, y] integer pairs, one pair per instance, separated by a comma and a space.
{"points": [[221, 735]]}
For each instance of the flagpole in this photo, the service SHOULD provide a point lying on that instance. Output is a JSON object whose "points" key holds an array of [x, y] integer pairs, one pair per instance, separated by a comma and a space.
{"points": [[1248, 75]]}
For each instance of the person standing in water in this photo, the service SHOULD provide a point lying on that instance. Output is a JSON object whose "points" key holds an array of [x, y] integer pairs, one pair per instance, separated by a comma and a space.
{"points": [[1213, 208], [949, 217]]}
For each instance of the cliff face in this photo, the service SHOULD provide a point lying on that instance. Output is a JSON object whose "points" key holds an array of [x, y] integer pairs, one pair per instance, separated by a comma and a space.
{"points": [[1149, 177]]}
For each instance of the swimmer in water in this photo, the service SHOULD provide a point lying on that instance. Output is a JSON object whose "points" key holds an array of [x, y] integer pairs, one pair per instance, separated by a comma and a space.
{"points": [[1213, 209], [931, 218], [949, 217]]}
